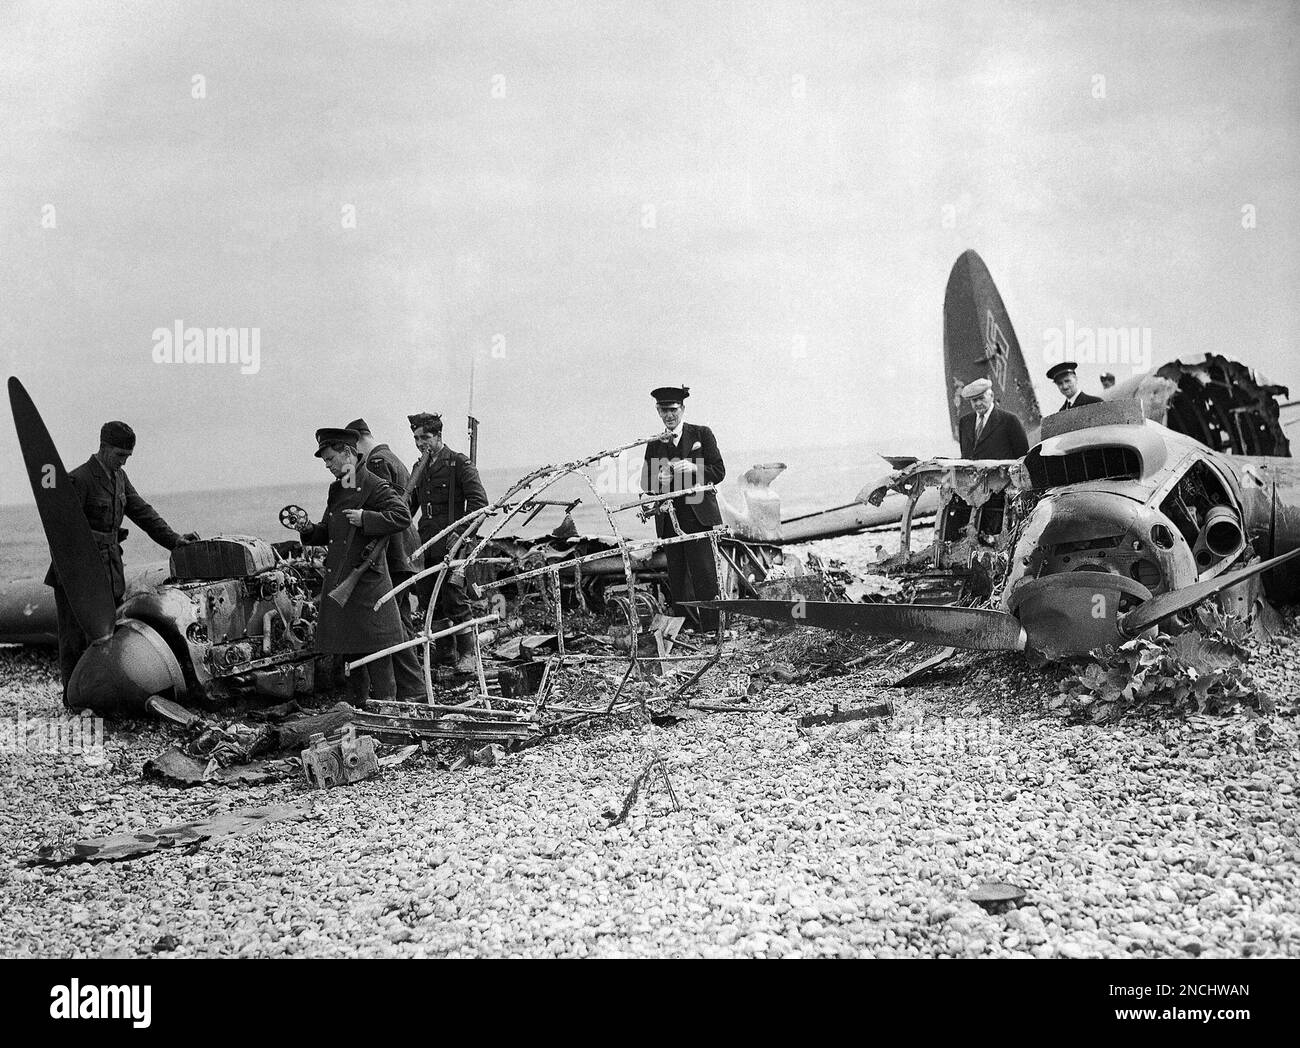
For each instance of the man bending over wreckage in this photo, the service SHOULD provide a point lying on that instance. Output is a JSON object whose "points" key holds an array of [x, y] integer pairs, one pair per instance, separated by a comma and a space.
{"points": [[106, 495], [361, 511]]}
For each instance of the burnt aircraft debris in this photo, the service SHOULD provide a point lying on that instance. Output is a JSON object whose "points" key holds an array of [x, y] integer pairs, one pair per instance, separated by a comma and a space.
{"points": [[339, 759], [1111, 525], [186, 835], [1122, 517], [838, 716]]}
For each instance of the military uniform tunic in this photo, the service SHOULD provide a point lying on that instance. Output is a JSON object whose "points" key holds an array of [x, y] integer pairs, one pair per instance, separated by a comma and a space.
{"points": [[692, 574], [357, 628], [446, 489], [105, 499], [384, 463]]}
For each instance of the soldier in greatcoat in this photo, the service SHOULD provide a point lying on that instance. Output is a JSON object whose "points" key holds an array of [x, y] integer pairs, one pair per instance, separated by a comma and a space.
{"points": [[383, 462], [360, 510]]}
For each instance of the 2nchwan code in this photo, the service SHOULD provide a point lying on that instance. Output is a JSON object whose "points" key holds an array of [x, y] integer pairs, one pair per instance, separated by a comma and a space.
{"points": [[1183, 990]]}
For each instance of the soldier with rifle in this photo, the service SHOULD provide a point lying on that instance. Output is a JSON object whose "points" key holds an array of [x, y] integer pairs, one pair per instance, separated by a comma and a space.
{"points": [[361, 514]]}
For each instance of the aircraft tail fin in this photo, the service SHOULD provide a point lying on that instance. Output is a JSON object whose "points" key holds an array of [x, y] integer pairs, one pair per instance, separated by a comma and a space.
{"points": [[979, 342]]}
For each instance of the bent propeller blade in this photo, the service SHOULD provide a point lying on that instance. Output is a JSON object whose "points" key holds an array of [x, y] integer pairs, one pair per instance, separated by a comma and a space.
{"points": [[975, 629], [72, 546], [1162, 607]]}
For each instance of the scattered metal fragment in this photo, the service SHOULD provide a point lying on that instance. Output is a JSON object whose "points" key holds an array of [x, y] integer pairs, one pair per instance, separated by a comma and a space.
{"points": [[176, 767], [655, 764], [488, 755], [477, 725], [924, 667], [130, 845], [339, 760], [172, 711], [784, 673], [674, 715], [838, 716], [994, 894], [399, 757]]}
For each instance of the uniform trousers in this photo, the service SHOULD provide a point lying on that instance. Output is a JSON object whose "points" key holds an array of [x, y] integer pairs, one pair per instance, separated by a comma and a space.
{"points": [[693, 575]]}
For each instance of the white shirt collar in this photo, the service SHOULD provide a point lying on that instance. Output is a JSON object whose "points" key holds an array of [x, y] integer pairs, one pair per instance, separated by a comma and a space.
{"points": [[677, 433]]}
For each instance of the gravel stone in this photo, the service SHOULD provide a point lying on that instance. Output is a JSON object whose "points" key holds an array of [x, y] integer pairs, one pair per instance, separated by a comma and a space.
{"points": [[1155, 836]]}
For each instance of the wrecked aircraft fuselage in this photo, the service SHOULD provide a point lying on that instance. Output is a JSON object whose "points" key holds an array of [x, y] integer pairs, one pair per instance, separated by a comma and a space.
{"points": [[1109, 512]]}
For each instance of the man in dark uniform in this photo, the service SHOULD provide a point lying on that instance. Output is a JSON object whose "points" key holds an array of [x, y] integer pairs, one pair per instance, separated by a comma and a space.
{"points": [[360, 510], [383, 462], [1067, 381], [986, 432], [444, 487], [107, 495], [685, 456]]}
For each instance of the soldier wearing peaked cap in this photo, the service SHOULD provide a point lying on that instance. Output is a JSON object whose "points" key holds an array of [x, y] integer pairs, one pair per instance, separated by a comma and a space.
{"points": [[1066, 378], [445, 486], [686, 455], [106, 495], [360, 510], [383, 462]]}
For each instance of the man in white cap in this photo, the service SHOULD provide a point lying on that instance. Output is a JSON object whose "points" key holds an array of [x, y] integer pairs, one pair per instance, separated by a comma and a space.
{"points": [[989, 432]]}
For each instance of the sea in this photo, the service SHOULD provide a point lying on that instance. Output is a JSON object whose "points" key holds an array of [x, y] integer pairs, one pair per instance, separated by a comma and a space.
{"points": [[814, 478]]}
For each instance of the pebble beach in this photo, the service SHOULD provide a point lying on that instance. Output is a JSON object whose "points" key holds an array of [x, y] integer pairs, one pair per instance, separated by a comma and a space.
{"points": [[1170, 836]]}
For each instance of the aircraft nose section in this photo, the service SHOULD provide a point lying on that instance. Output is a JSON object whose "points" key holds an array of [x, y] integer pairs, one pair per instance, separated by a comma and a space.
{"points": [[118, 676], [1072, 613]]}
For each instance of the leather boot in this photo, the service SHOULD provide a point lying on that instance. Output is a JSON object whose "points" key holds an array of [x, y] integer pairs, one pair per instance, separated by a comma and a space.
{"points": [[465, 660], [443, 649]]}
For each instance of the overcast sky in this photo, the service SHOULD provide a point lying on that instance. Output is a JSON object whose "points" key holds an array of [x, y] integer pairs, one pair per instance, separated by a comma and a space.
{"points": [[586, 200]]}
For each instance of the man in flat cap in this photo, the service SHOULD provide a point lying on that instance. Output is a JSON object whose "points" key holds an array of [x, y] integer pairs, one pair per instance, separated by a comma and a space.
{"points": [[985, 432], [1067, 381], [444, 487], [360, 510], [685, 455], [107, 495], [383, 462]]}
